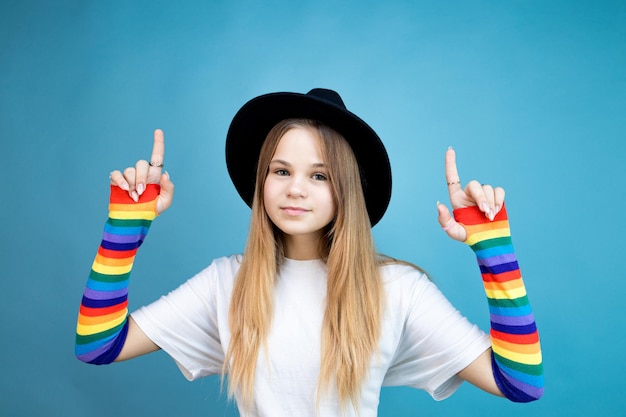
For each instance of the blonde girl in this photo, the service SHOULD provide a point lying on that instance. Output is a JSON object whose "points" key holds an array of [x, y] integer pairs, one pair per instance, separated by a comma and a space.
{"points": [[310, 319]]}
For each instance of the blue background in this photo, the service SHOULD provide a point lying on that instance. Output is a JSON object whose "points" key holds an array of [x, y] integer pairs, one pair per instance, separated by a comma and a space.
{"points": [[530, 93]]}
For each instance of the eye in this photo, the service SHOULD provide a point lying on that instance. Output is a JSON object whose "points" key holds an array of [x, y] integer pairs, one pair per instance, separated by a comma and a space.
{"points": [[281, 172], [320, 177]]}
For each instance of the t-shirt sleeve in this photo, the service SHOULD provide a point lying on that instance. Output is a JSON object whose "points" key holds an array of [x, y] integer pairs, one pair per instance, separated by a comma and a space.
{"points": [[186, 322], [436, 342]]}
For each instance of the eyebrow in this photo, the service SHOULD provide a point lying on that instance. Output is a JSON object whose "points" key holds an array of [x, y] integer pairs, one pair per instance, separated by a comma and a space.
{"points": [[285, 163]]}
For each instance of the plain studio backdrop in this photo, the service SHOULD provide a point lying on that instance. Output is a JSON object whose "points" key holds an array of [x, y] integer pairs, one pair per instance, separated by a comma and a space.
{"points": [[531, 94]]}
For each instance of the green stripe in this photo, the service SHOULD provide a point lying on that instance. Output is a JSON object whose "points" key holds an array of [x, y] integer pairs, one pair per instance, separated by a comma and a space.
{"points": [[108, 278], [508, 302], [129, 222], [85, 339], [491, 243], [536, 370]]}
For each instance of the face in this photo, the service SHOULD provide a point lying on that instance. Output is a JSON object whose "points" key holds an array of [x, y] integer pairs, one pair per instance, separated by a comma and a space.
{"points": [[297, 194]]}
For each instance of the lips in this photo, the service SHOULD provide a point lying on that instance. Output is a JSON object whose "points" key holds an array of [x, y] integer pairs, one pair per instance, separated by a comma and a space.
{"points": [[294, 211]]}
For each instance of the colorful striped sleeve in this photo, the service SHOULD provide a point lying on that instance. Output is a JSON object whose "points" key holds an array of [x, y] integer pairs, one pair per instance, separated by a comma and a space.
{"points": [[516, 358], [103, 316]]}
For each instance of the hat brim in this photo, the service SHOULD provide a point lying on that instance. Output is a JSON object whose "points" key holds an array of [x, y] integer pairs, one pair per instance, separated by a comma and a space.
{"points": [[257, 117]]}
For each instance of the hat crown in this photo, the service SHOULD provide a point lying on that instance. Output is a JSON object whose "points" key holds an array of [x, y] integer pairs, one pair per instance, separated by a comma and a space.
{"points": [[327, 95]]}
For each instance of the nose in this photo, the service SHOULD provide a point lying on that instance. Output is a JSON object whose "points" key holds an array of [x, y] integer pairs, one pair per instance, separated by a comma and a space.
{"points": [[297, 187]]}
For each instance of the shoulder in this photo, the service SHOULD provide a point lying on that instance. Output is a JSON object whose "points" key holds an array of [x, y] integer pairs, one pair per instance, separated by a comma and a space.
{"points": [[403, 279], [397, 272], [217, 277]]}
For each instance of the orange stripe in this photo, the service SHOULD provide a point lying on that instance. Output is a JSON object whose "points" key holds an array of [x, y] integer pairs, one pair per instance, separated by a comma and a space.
{"points": [[503, 286], [103, 260], [527, 348]]}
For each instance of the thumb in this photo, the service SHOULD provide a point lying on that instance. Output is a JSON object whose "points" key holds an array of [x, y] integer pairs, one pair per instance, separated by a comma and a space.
{"points": [[453, 229], [167, 193]]}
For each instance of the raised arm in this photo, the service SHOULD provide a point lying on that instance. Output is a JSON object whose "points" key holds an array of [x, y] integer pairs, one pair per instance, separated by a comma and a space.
{"points": [[103, 331], [513, 367]]}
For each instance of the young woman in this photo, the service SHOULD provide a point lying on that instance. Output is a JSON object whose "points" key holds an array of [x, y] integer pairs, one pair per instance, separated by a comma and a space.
{"points": [[310, 320]]}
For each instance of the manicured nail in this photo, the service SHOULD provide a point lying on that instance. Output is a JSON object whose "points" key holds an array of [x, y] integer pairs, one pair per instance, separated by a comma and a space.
{"points": [[124, 186], [484, 207], [140, 188], [134, 196]]}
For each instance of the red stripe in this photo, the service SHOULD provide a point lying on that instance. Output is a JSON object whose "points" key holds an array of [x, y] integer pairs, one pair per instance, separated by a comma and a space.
{"points": [[473, 216], [518, 339], [117, 254], [119, 196], [503, 276], [95, 312]]}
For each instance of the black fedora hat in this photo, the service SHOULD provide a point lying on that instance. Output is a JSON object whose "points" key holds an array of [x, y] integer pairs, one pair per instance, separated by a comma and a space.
{"points": [[257, 117]]}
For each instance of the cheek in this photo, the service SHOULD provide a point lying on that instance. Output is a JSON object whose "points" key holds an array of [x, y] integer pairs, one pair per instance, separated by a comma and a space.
{"points": [[269, 192]]}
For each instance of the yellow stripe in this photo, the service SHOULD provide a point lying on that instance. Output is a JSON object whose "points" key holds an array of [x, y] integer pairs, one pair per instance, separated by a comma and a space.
{"points": [[506, 294], [527, 358], [85, 330], [486, 235], [111, 270], [132, 215]]}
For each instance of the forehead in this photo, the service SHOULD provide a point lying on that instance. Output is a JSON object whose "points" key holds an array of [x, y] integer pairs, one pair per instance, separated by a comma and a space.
{"points": [[300, 142]]}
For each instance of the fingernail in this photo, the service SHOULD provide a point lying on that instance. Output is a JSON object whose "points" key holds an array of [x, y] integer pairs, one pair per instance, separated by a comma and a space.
{"points": [[498, 209], [484, 207], [140, 188], [134, 196], [492, 215], [124, 186]]}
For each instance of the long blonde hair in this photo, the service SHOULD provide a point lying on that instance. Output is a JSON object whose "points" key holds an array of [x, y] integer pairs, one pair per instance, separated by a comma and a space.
{"points": [[354, 300]]}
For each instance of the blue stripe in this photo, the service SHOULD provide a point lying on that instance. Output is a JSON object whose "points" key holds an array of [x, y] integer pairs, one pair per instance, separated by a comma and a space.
{"points": [[498, 269], [495, 251], [106, 286], [120, 246], [116, 230], [523, 310]]}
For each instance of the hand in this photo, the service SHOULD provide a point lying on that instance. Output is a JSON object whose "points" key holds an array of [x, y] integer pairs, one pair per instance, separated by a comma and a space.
{"points": [[134, 179], [488, 199]]}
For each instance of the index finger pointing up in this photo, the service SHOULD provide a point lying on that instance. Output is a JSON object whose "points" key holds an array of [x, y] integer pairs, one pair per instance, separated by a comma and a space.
{"points": [[452, 175], [158, 149]]}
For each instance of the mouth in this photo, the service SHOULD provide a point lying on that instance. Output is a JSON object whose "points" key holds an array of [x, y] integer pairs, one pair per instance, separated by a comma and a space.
{"points": [[294, 211]]}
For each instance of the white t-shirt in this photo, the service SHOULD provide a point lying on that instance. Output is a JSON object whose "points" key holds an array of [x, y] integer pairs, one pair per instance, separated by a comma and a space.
{"points": [[425, 341]]}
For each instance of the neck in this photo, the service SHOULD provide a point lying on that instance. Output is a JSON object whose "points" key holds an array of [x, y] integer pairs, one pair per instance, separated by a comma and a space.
{"points": [[302, 248]]}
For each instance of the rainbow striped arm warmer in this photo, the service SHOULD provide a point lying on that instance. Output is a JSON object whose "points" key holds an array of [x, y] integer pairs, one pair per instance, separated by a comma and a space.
{"points": [[103, 316], [516, 358]]}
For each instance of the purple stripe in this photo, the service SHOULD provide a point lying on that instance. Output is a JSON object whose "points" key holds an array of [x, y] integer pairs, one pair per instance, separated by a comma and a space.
{"points": [[525, 388], [525, 329], [114, 238], [105, 295], [497, 260], [512, 320], [87, 302]]}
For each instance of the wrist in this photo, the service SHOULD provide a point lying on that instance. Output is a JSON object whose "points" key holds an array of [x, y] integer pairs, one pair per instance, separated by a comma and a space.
{"points": [[480, 230]]}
